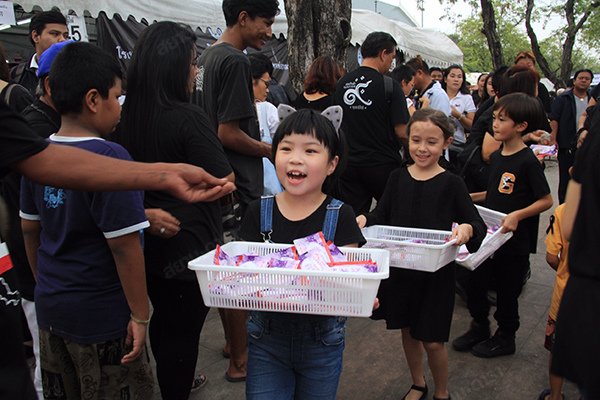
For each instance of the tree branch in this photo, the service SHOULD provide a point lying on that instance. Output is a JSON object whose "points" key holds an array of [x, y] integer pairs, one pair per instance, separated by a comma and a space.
{"points": [[535, 46]]}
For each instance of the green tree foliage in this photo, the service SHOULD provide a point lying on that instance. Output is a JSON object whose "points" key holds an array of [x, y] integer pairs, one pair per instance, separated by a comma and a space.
{"points": [[471, 40], [510, 18]]}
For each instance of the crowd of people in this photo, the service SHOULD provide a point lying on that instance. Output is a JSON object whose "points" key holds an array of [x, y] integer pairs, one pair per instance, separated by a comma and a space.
{"points": [[100, 243]]}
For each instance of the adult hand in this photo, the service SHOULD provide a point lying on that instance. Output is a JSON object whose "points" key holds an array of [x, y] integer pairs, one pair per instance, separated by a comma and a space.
{"points": [[193, 184], [424, 100], [136, 337], [462, 233], [540, 136], [162, 223]]}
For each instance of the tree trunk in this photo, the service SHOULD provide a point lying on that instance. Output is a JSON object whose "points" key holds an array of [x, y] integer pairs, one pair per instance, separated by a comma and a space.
{"points": [[491, 33], [535, 47], [316, 28], [566, 63]]}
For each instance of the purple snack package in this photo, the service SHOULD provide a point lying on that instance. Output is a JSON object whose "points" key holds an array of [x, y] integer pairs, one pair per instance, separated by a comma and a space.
{"points": [[314, 264], [314, 244], [222, 258], [336, 254], [287, 263]]}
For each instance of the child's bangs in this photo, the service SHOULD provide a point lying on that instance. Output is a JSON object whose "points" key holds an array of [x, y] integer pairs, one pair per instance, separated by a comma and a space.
{"points": [[307, 122]]}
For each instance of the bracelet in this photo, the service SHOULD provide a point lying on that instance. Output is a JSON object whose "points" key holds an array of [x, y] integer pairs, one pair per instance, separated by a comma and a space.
{"points": [[139, 321]]}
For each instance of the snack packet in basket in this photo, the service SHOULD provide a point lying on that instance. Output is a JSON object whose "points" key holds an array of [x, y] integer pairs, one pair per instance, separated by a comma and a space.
{"points": [[361, 267], [286, 263], [314, 264], [313, 246], [222, 258], [336, 254]]}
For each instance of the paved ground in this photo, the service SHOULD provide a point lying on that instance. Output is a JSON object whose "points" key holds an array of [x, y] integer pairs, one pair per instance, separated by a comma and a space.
{"points": [[375, 367]]}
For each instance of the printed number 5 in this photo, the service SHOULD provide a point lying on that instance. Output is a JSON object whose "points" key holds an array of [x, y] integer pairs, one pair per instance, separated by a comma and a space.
{"points": [[75, 34]]}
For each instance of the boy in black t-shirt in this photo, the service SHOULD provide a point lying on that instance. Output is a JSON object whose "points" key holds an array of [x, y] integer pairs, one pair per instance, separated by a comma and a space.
{"points": [[517, 187]]}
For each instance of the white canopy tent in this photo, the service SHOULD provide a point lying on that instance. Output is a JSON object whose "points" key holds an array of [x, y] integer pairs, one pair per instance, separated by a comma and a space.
{"points": [[435, 47]]}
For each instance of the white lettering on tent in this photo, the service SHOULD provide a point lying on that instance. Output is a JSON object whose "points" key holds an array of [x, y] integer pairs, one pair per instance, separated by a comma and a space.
{"points": [[123, 54]]}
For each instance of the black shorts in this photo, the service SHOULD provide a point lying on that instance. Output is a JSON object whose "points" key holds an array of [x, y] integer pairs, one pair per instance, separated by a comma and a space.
{"points": [[421, 301]]}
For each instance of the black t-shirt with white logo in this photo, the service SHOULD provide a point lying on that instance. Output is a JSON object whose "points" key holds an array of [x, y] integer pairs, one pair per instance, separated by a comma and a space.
{"points": [[369, 118], [224, 91], [517, 181]]}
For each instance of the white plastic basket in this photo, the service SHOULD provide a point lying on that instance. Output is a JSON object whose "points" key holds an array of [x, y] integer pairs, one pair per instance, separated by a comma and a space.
{"points": [[491, 243], [433, 251], [286, 290]]}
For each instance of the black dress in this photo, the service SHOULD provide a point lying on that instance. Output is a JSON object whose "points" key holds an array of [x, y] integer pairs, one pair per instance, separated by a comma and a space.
{"points": [[423, 301]]}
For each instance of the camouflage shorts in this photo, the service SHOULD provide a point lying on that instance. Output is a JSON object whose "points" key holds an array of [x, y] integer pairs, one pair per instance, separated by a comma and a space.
{"points": [[92, 371]]}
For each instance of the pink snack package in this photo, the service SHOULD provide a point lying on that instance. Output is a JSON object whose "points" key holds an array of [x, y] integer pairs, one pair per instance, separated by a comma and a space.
{"points": [[336, 254], [287, 263], [315, 241], [314, 264], [222, 258], [253, 261], [289, 252]]}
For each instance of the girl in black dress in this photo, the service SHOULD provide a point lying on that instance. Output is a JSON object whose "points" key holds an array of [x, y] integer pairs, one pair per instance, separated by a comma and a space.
{"points": [[424, 195]]}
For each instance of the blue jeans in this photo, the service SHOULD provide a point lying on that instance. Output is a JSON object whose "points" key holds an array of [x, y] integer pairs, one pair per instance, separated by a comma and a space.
{"points": [[293, 356]]}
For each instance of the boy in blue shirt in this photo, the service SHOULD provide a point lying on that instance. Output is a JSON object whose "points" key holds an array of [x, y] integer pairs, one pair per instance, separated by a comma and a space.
{"points": [[85, 249]]}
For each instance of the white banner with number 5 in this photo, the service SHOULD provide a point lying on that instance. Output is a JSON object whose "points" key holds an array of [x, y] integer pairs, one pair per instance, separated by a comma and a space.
{"points": [[77, 29], [7, 13]]}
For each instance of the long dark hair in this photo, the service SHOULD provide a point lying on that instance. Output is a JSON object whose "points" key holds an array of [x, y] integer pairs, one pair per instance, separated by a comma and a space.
{"points": [[157, 79]]}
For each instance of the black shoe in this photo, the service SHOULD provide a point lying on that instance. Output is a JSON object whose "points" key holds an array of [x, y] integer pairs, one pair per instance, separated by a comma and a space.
{"points": [[476, 334], [498, 345], [422, 389]]}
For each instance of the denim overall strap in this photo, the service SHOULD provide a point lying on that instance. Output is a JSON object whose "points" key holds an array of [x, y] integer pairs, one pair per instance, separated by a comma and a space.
{"points": [[331, 219], [266, 217]]}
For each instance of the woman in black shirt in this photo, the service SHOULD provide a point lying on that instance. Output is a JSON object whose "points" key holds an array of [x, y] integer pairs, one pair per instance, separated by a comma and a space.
{"points": [[160, 125], [319, 84]]}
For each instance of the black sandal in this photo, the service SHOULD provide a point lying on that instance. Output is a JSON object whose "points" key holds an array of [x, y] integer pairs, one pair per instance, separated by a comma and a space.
{"points": [[422, 389]]}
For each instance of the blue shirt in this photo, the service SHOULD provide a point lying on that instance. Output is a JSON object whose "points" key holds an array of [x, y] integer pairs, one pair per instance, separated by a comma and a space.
{"points": [[78, 293]]}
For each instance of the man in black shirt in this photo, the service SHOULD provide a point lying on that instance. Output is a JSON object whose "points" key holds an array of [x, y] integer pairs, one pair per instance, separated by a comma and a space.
{"points": [[45, 29], [374, 123], [224, 90], [567, 108]]}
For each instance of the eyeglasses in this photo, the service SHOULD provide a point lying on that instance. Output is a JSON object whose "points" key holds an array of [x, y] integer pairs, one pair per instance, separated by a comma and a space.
{"points": [[266, 82]]}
